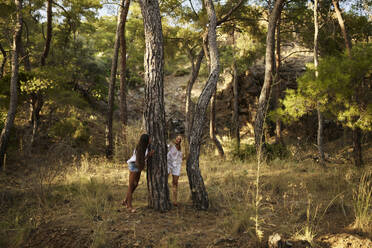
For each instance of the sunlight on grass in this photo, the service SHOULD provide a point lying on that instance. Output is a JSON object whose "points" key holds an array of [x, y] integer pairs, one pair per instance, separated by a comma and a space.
{"points": [[362, 196]]}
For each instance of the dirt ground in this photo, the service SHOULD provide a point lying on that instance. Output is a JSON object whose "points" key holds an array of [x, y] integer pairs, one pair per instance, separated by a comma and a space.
{"points": [[227, 223]]}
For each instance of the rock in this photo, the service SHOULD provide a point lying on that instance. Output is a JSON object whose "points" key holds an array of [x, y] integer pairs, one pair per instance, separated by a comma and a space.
{"points": [[276, 241]]}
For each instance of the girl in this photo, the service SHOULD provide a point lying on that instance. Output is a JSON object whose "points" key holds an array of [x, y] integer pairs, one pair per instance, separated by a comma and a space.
{"points": [[174, 158], [136, 164]]}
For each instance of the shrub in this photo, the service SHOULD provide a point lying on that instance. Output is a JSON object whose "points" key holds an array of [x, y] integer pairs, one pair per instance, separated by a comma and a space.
{"points": [[363, 202], [70, 129], [273, 151]]}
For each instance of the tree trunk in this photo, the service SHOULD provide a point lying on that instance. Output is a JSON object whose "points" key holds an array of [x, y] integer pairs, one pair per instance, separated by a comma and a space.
{"points": [[357, 142], [342, 26], [189, 104], [2, 66], [38, 101], [212, 113], [236, 105], [49, 33], [277, 86], [17, 36], [111, 93], [157, 172], [199, 194], [212, 125], [320, 114], [123, 67], [265, 91]]}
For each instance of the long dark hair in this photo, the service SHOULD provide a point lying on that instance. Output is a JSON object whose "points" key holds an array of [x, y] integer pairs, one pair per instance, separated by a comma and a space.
{"points": [[141, 147]]}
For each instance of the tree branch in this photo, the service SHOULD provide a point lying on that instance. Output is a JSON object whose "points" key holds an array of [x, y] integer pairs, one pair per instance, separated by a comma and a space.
{"points": [[303, 51], [225, 18]]}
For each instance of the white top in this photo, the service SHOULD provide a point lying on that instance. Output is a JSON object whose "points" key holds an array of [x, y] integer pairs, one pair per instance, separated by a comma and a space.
{"points": [[174, 156], [133, 158]]}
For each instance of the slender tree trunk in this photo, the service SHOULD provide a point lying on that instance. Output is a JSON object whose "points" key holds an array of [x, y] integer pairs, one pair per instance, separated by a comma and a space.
{"points": [[277, 86], [111, 93], [212, 125], [17, 36], [25, 56], [157, 172], [49, 33], [189, 104], [357, 141], [236, 105], [123, 67], [212, 113], [342, 26], [265, 91], [320, 114], [38, 102], [199, 194], [3, 63]]}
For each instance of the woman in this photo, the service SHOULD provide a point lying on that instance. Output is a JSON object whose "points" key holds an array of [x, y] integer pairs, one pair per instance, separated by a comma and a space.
{"points": [[174, 158], [136, 164]]}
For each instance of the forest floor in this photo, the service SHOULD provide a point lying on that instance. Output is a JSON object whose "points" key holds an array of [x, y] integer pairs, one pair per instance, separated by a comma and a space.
{"points": [[50, 200], [78, 205]]}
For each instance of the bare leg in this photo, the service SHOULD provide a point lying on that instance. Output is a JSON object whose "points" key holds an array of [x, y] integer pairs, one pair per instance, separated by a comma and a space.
{"points": [[133, 183], [175, 189]]}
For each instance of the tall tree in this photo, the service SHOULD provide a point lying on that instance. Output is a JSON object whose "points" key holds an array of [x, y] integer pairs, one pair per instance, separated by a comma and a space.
{"points": [[269, 62], [17, 36], [195, 68], [111, 93], [123, 67], [319, 111], [38, 101], [357, 133], [157, 172], [198, 192], [48, 34], [277, 83], [212, 125]]}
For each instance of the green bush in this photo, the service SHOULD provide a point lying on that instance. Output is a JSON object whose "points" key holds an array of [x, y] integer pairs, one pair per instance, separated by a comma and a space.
{"points": [[70, 129], [273, 151]]}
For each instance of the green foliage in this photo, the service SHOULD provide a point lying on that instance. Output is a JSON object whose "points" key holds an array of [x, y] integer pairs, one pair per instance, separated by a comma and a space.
{"points": [[35, 85], [70, 129], [341, 89], [273, 151]]}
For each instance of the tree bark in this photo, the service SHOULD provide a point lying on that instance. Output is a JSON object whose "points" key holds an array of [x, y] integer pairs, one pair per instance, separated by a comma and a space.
{"points": [[199, 194], [265, 91], [212, 113], [111, 93], [157, 172], [37, 99], [342, 26], [189, 104], [357, 141], [49, 33], [236, 105], [3, 63], [277, 86], [123, 67], [320, 114], [212, 125], [17, 36]]}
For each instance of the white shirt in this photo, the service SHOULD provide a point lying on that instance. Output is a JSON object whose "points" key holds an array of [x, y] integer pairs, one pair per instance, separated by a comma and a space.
{"points": [[174, 156], [133, 158]]}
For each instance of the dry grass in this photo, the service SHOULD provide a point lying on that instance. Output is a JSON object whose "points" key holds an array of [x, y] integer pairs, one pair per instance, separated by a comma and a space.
{"points": [[298, 200]]}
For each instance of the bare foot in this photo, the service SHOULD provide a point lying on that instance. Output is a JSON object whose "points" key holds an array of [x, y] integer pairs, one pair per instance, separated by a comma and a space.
{"points": [[131, 210], [124, 203]]}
